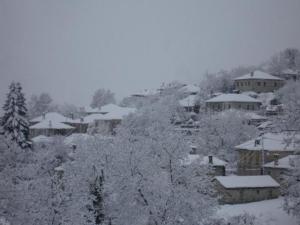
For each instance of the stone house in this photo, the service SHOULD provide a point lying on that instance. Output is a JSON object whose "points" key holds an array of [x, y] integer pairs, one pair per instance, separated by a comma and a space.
{"points": [[110, 117], [50, 128], [233, 101], [253, 154], [289, 74], [242, 189], [190, 104], [258, 82], [279, 168]]}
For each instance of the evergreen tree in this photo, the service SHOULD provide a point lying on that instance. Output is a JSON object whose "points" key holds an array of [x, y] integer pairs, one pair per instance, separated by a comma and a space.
{"points": [[14, 122]]}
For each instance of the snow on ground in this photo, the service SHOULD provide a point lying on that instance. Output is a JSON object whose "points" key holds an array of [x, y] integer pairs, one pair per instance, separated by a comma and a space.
{"points": [[270, 212]]}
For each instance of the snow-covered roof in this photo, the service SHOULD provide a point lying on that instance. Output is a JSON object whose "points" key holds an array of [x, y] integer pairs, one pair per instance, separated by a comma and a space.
{"points": [[41, 139], [89, 109], [255, 116], [257, 75], [265, 125], [113, 112], [144, 93], [188, 101], [190, 88], [49, 124], [112, 108], [53, 116], [233, 98], [231, 182], [192, 158], [284, 163], [290, 72], [271, 142]]}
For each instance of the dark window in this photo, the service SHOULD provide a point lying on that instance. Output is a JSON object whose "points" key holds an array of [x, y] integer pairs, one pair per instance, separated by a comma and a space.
{"points": [[257, 192], [248, 83], [248, 107], [241, 83], [258, 83], [229, 106], [264, 84], [275, 84]]}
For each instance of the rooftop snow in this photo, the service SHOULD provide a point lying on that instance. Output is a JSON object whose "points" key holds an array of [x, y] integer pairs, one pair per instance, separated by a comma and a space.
{"points": [[188, 101], [190, 88], [247, 181], [257, 75], [284, 163], [271, 142], [145, 93], [53, 116], [113, 112], [192, 158], [290, 72], [49, 124], [233, 98], [89, 109]]}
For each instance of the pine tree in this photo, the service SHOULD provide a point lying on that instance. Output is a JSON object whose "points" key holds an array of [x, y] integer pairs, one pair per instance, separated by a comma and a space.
{"points": [[14, 122]]}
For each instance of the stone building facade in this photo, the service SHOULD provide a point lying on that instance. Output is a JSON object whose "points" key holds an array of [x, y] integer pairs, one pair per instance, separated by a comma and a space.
{"points": [[243, 189], [258, 82], [233, 101]]}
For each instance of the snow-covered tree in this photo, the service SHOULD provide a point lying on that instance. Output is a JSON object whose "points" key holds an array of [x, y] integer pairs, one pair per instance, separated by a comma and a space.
{"points": [[102, 97], [149, 184], [14, 121], [39, 104], [292, 193], [220, 132], [287, 59]]}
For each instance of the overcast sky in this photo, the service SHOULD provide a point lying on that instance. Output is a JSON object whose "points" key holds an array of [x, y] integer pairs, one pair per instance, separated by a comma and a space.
{"points": [[70, 48]]}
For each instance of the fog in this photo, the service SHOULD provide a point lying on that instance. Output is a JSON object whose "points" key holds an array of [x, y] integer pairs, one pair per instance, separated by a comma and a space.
{"points": [[70, 48]]}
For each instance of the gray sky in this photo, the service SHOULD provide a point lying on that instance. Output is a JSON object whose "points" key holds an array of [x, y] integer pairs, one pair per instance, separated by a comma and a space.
{"points": [[70, 48]]}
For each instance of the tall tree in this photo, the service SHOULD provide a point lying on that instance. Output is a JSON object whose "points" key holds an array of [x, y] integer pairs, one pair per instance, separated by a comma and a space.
{"points": [[14, 122], [102, 97], [39, 104]]}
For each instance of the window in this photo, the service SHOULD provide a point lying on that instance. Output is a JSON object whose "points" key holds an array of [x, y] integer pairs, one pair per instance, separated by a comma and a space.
{"points": [[237, 84], [242, 84], [275, 84], [229, 106], [264, 84], [258, 83], [257, 192], [248, 83], [248, 107]]}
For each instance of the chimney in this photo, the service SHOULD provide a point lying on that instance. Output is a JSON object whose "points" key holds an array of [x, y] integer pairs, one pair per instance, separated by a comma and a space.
{"points": [[210, 159], [50, 124], [252, 74], [276, 157], [44, 116]]}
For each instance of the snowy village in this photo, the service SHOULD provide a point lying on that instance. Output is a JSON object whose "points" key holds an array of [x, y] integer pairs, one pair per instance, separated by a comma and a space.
{"points": [[222, 150]]}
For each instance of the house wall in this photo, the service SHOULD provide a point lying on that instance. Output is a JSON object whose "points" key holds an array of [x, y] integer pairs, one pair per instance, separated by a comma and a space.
{"points": [[49, 132], [250, 162], [220, 106], [79, 127], [219, 171], [258, 85], [278, 174], [243, 195]]}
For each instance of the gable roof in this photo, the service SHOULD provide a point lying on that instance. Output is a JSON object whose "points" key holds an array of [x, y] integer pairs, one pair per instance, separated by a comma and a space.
{"points": [[271, 142], [233, 98], [49, 124], [257, 75], [283, 163], [231, 182]]}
